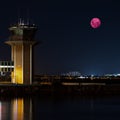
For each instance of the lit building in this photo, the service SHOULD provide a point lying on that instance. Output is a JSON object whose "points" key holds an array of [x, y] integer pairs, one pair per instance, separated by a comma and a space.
{"points": [[22, 41], [6, 66]]}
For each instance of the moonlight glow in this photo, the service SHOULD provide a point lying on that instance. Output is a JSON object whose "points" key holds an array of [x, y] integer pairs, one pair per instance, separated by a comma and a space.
{"points": [[95, 23]]}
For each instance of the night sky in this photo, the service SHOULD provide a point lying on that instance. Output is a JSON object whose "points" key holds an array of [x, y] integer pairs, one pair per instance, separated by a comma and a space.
{"points": [[66, 40]]}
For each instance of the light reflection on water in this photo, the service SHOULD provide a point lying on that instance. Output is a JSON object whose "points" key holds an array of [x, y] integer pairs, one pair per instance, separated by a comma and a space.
{"points": [[15, 109], [60, 108]]}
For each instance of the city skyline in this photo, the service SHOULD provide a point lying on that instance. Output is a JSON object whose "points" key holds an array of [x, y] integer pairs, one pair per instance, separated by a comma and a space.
{"points": [[66, 40]]}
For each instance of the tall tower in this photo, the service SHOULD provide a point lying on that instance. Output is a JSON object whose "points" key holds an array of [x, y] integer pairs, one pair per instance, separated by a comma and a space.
{"points": [[22, 41]]}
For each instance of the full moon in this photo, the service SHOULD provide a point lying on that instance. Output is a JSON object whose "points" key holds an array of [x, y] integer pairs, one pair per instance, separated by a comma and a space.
{"points": [[95, 22]]}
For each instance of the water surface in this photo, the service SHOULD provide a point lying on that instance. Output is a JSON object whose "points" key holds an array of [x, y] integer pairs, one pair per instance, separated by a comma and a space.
{"points": [[60, 108]]}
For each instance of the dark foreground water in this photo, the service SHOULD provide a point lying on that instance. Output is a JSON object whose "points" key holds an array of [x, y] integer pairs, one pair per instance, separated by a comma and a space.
{"points": [[60, 108]]}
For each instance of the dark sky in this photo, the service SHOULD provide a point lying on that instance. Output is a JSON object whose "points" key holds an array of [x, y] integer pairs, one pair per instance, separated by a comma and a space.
{"points": [[68, 43]]}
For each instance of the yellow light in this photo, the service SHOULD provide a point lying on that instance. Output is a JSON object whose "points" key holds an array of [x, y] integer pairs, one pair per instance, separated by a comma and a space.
{"points": [[18, 109], [18, 75]]}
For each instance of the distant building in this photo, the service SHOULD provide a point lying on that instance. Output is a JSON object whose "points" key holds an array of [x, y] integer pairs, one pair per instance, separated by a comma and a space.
{"points": [[73, 73]]}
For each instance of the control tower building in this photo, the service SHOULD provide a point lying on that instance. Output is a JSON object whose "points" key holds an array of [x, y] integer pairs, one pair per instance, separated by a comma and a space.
{"points": [[21, 40]]}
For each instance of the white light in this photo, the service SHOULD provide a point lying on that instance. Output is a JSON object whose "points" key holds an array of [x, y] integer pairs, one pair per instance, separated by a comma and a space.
{"points": [[2, 66]]}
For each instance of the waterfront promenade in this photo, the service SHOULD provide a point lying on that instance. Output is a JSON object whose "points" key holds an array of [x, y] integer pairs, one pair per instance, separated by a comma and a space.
{"points": [[63, 86]]}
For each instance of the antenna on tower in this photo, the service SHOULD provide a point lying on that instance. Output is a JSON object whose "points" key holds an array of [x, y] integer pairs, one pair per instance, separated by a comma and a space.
{"points": [[19, 17], [28, 16], [20, 21]]}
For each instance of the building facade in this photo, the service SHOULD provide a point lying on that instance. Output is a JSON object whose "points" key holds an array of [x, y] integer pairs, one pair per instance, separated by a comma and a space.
{"points": [[22, 41]]}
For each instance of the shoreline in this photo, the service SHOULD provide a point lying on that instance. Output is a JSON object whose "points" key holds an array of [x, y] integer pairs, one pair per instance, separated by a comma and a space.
{"points": [[63, 87]]}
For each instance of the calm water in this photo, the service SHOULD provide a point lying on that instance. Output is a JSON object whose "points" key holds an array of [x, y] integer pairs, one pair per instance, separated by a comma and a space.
{"points": [[60, 108]]}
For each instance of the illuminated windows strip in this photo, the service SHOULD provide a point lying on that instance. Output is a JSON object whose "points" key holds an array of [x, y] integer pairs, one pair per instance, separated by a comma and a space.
{"points": [[2, 66]]}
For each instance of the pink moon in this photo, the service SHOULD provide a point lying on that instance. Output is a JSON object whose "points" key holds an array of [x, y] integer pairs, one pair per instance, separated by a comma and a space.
{"points": [[95, 22]]}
